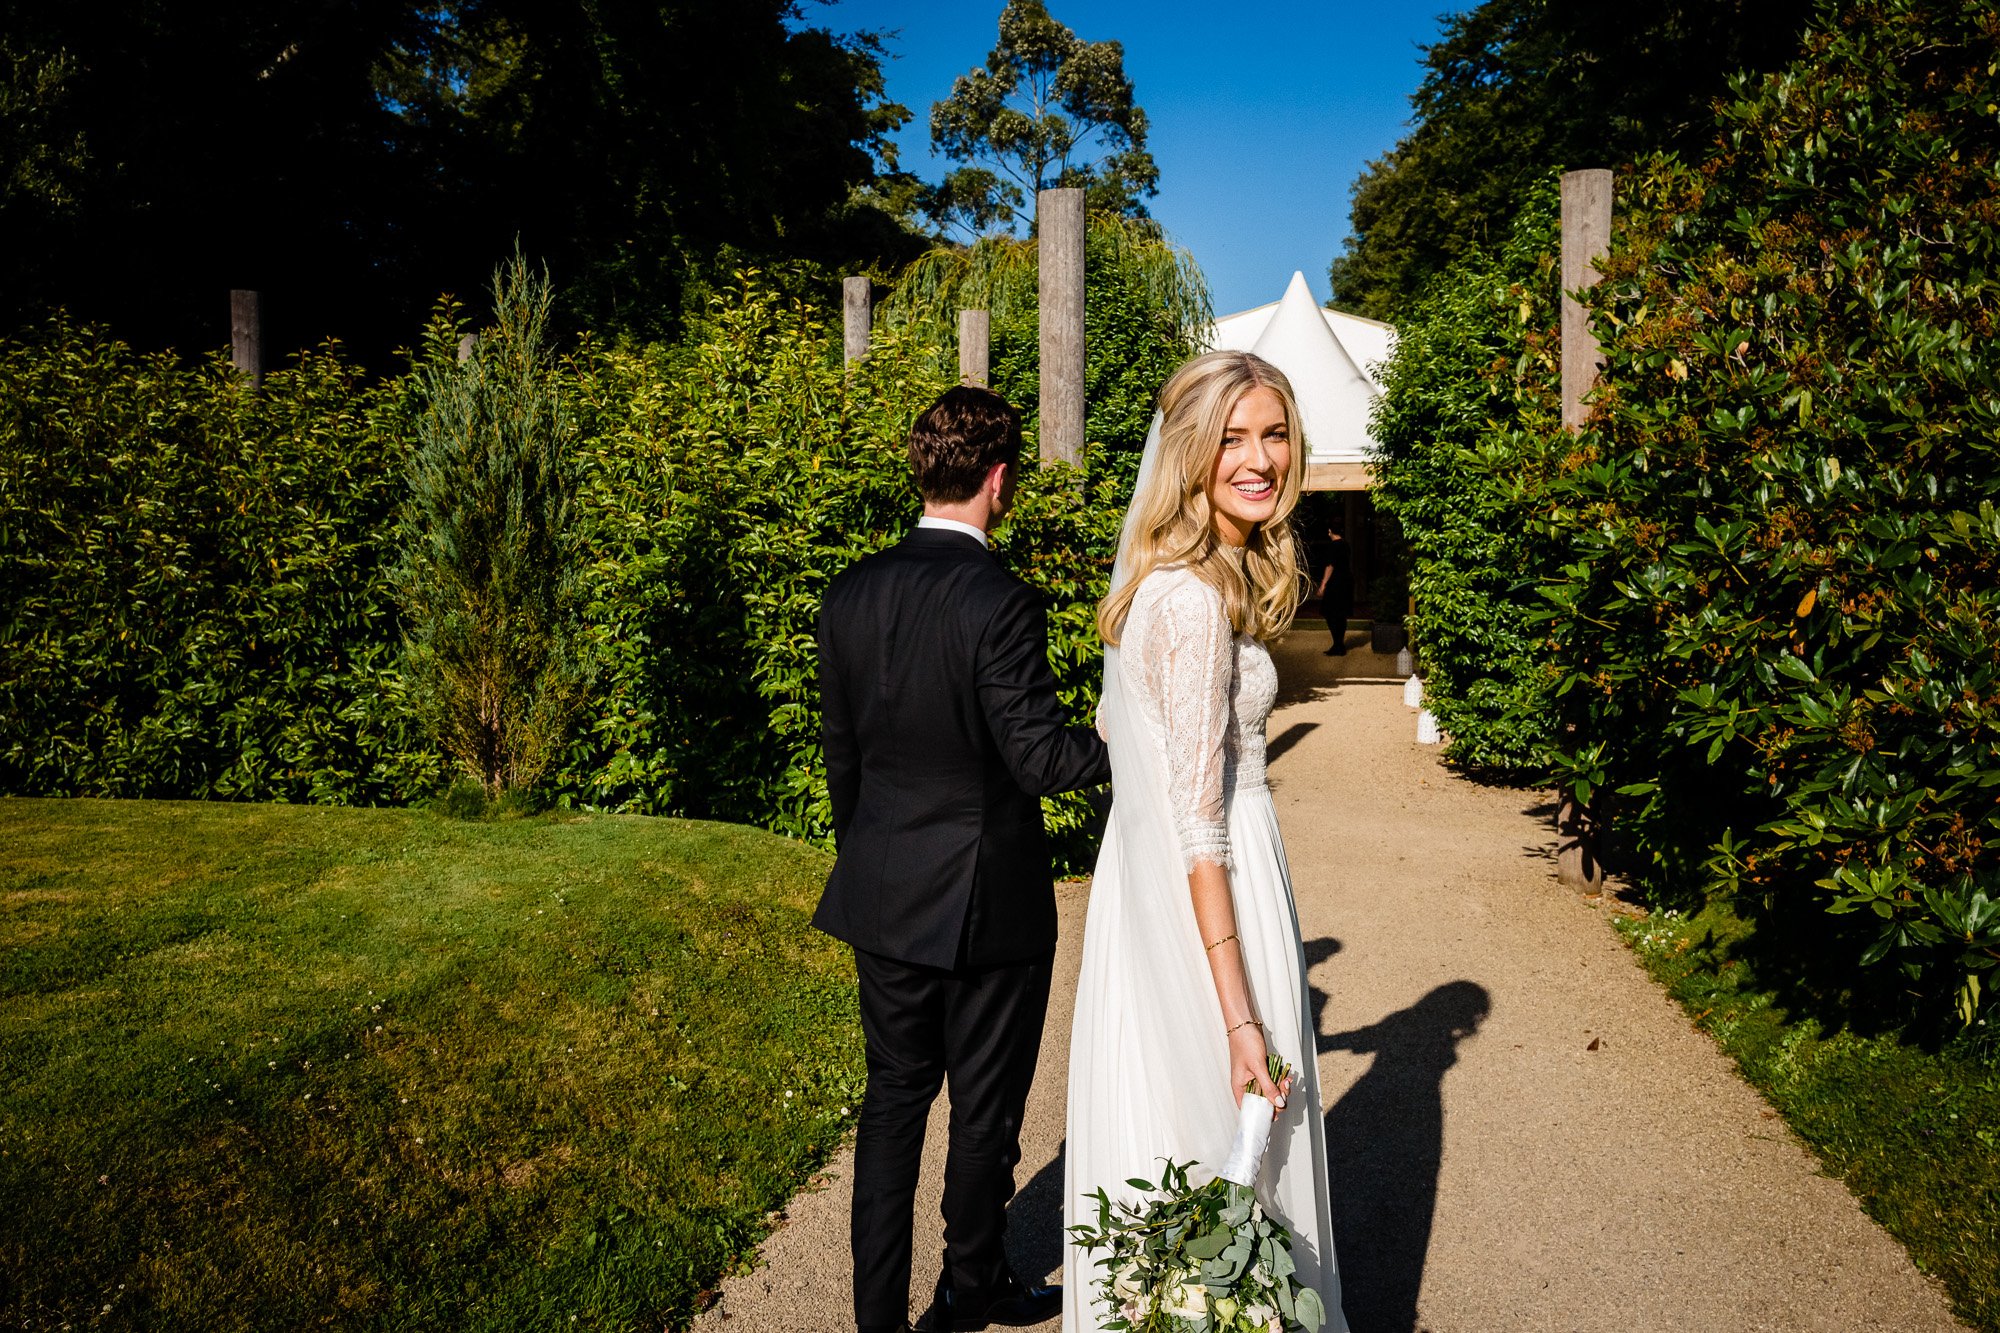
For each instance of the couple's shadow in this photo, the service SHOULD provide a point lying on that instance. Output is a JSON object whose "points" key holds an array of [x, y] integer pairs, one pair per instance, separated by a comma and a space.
{"points": [[1384, 1143]]}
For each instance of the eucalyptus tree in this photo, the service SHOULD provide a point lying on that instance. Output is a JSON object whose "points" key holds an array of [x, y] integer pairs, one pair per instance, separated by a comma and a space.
{"points": [[1047, 109]]}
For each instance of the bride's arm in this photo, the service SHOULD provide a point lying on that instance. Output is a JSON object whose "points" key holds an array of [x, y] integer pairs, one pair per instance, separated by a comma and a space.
{"points": [[1188, 655], [1215, 913]]}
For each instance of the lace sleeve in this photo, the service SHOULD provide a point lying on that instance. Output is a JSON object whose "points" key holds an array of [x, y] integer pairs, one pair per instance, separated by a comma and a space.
{"points": [[1188, 659]]}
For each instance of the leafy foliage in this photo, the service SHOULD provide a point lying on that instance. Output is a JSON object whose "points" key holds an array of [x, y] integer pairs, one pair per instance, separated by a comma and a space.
{"points": [[364, 155], [1196, 1259], [1514, 88], [725, 484], [1776, 613], [1043, 94], [1146, 310], [488, 580], [1468, 398], [194, 578], [1768, 561]]}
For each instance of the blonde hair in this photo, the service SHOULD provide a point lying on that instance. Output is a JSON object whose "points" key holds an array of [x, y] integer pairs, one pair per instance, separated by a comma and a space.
{"points": [[1172, 520]]}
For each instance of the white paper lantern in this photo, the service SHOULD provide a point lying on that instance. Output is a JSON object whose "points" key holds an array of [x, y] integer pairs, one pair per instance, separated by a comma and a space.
{"points": [[1427, 728], [1405, 663], [1413, 692]]}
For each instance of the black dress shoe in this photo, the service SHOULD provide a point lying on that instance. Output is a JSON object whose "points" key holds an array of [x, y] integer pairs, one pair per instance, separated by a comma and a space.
{"points": [[1015, 1305]]}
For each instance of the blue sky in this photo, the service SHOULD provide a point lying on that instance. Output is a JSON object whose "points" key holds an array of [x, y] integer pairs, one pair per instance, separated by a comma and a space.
{"points": [[1263, 112]]}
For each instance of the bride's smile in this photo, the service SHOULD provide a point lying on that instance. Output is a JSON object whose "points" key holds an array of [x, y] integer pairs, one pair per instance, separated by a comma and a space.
{"points": [[1250, 469]]}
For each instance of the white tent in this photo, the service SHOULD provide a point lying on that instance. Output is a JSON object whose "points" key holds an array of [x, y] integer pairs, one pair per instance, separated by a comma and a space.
{"points": [[1332, 360]]}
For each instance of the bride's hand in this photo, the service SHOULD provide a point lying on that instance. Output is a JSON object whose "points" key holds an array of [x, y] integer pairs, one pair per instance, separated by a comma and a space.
{"points": [[1249, 1064]]}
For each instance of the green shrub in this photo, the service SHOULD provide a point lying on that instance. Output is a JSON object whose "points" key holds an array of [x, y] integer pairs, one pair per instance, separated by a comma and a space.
{"points": [[1768, 642], [178, 626], [725, 486], [488, 579], [193, 578], [1776, 606], [1146, 310], [1467, 402]]}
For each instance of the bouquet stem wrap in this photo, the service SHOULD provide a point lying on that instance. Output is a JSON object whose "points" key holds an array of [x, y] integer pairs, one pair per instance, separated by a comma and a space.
{"points": [[1253, 1136]]}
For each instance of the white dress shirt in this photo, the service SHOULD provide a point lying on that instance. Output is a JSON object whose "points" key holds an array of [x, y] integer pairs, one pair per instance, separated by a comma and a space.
{"points": [[953, 525]]}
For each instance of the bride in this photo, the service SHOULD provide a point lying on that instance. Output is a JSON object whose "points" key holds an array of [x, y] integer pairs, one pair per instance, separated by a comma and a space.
{"points": [[1192, 965]]}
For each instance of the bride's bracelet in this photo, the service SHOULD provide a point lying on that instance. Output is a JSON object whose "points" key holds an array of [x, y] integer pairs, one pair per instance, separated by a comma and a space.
{"points": [[1224, 940], [1246, 1023]]}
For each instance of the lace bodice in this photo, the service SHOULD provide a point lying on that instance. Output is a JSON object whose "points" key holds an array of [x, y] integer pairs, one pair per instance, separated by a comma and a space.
{"points": [[1207, 693]]}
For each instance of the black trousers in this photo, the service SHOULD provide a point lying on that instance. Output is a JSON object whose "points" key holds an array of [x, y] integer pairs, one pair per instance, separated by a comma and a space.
{"points": [[982, 1030], [1336, 611]]}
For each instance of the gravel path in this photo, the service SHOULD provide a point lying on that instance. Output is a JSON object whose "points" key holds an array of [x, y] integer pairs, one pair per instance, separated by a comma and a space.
{"points": [[1525, 1132]]}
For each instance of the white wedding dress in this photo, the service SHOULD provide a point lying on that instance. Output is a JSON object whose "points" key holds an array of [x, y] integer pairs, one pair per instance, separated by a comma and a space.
{"points": [[1185, 703]]}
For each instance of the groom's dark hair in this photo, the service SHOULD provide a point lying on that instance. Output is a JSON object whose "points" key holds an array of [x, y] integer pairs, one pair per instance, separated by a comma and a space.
{"points": [[959, 438]]}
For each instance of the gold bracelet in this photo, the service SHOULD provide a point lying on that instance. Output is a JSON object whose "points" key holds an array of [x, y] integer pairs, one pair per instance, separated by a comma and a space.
{"points": [[1224, 940], [1246, 1023]]}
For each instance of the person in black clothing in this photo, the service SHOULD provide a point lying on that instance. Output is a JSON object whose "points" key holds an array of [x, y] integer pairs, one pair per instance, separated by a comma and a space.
{"points": [[942, 734], [1336, 588]]}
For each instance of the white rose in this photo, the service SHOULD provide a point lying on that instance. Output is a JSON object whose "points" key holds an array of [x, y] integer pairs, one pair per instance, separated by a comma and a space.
{"points": [[1260, 1316], [1125, 1284], [1189, 1300]]}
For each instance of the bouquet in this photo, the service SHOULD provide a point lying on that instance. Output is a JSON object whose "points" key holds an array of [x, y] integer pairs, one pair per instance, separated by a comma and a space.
{"points": [[1203, 1259]]}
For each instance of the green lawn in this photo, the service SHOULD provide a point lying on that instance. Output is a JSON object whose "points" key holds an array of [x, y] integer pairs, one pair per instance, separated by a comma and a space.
{"points": [[285, 1067], [1915, 1133]]}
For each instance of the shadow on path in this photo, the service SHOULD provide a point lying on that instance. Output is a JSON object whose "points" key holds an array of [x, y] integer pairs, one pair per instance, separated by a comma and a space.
{"points": [[1287, 738], [1384, 1141], [1035, 1222]]}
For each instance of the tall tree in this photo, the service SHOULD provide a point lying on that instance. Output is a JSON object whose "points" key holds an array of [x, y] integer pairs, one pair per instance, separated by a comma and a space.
{"points": [[1047, 109], [1515, 88], [353, 158]]}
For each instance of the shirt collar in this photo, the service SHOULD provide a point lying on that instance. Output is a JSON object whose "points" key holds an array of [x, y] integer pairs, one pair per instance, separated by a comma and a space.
{"points": [[953, 525]]}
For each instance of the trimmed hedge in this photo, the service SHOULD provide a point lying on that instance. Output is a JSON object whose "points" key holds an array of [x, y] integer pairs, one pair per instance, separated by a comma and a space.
{"points": [[197, 598], [194, 595], [1466, 397], [1770, 562]]}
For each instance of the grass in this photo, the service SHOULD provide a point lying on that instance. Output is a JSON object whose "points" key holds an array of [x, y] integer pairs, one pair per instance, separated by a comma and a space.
{"points": [[287, 1067], [1914, 1132]]}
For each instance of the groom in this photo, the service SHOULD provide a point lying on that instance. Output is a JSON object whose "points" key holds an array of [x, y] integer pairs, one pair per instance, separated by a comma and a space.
{"points": [[942, 733]]}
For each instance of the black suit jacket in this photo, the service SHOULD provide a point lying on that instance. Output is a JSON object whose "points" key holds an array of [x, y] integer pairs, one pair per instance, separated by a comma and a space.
{"points": [[942, 733]]}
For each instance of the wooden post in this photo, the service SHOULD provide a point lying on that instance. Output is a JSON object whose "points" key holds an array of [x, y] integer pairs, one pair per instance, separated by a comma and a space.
{"points": [[975, 346], [1059, 220], [857, 301], [466, 343], [1586, 238], [246, 334]]}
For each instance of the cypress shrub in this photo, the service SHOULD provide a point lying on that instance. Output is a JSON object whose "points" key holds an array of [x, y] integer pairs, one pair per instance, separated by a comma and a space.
{"points": [[488, 580]]}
